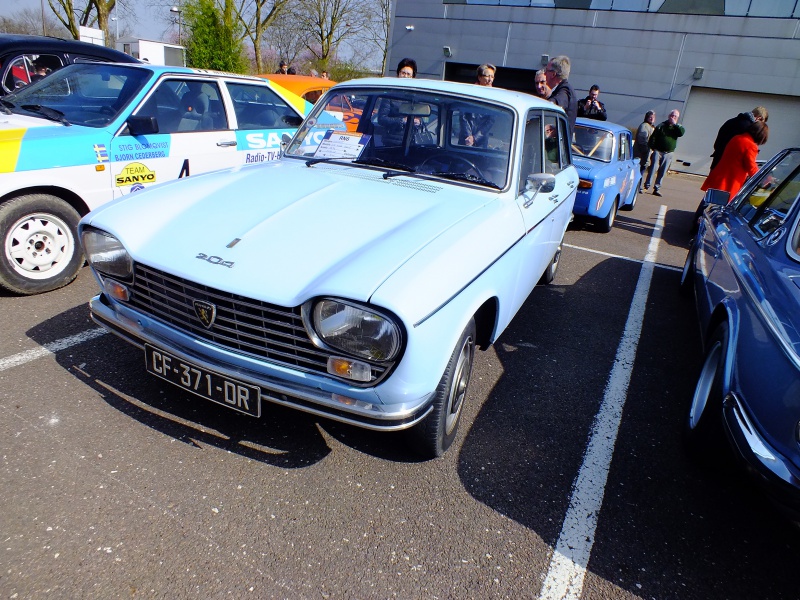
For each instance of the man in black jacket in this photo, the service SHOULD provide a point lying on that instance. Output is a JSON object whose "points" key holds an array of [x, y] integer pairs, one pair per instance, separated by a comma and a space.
{"points": [[590, 107], [563, 95], [733, 127]]}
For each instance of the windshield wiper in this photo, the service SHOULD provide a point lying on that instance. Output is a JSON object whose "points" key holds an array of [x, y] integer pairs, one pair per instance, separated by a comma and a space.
{"points": [[47, 112], [6, 105], [466, 177], [313, 161], [379, 162]]}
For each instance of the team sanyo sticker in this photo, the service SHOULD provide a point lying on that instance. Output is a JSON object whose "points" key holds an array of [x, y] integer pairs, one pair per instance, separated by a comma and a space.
{"points": [[135, 173]]}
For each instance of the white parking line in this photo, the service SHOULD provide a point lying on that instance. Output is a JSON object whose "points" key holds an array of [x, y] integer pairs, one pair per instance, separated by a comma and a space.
{"points": [[628, 258], [51, 348], [564, 579]]}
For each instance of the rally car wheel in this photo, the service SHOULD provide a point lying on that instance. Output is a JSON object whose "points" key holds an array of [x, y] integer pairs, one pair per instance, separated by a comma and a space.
{"points": [[607, 223], [703, 430], [433, 436], [40, 250]]}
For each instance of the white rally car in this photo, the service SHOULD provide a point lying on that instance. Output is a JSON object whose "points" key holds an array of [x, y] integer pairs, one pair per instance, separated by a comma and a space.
{"points": [[90, 133]]}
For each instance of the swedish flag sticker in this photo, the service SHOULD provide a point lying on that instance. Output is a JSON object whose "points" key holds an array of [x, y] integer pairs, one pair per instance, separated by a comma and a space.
{"points": [[100, 152]]}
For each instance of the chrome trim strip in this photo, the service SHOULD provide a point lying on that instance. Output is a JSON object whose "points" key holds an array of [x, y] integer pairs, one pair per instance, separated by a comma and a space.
{"points": [[311, 400]]}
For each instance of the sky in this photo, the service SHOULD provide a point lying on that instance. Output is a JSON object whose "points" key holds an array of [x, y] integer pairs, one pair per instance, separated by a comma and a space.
{"points": [[139, 16]]}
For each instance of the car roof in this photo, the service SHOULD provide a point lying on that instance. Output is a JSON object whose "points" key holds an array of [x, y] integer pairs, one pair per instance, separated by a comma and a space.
{"points": [[607, 125], [520, 100], [40, 44]]}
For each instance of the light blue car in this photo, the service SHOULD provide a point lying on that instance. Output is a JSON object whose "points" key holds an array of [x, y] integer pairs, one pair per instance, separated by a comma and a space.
{"points": [[354, 277], [610, 175]]}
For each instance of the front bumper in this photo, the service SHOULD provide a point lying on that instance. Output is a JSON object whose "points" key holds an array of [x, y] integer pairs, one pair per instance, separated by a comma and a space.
{"points": [[309, 393], [778, 476]]}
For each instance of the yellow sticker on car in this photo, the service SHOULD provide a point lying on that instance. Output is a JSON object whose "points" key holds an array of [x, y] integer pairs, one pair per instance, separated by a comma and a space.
{"points": [[134, 173]]}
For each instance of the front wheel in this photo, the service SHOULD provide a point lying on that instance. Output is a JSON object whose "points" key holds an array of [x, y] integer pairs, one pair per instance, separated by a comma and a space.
{"points": [[550, 272], [703, 431], [40, 251], [433, 436]]}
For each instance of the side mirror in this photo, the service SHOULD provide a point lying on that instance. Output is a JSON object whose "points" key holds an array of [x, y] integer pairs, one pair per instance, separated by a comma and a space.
{"points": [[716, 197], [142, 125], [540, 182], [285, 138]]}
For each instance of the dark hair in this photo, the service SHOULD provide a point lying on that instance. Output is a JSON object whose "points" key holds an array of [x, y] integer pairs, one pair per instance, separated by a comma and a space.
{"points": [[407, 62], [594, 88], [759, 131]]}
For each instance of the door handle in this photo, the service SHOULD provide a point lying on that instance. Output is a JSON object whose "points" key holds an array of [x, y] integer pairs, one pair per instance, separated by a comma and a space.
{"points": [[225, 144]]}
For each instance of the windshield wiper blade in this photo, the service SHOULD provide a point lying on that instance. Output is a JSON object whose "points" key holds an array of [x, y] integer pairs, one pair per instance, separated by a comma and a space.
{"points": [[379, 162], [6, 105], [467, 177], [313, 161], [47, 113]]}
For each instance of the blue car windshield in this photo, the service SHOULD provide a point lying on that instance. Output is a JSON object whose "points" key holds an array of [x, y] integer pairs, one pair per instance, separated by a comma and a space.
{"points": [[89, 94], [410, 131], [597, 144]]}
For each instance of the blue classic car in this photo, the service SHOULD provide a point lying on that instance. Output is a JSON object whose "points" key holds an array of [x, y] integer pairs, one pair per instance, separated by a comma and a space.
{"points": [[744, 268], [610, 176], [354, 277]]}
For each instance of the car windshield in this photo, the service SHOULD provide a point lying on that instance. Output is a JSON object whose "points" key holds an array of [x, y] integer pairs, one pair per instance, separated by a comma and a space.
{"points": [[597, 144], [406, 132], [90, 94]]}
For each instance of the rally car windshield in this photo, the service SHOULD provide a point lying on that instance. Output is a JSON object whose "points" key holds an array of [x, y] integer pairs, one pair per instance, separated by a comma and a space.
{"points": [[409, 132], [89, 94], [592, 142]]}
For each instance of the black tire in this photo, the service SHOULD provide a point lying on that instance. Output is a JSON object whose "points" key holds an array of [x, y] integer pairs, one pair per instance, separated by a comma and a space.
{"points": [[432, 437], [40, 250], [550, 272], [633, 202], [703, 432], [687, 274], [607, 223]]}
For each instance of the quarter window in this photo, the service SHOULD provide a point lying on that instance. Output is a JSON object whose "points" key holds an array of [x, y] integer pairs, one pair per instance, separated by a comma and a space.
{"points": [[258, 107]]}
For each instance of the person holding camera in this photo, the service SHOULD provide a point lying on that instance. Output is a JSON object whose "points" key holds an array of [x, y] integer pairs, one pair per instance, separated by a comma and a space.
{"points": [[590, 107]]}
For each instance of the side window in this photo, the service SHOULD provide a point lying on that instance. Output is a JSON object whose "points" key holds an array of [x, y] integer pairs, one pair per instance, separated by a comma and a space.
{"points": [[258, 107], [564, 143], [552, 145], [765, 202], [624, 146], [29, 68], [183, 105], [531, 150]]}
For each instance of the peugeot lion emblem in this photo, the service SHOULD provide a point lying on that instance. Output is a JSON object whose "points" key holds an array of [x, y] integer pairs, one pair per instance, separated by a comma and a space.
{"points": [[206, 312]]}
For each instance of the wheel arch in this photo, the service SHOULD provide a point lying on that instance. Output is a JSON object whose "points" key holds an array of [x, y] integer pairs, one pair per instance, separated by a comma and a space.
{"points": [[486, 322], [68, 196], [725, 312]]}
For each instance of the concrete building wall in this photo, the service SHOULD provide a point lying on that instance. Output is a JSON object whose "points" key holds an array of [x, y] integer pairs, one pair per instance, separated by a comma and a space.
{"points": [[641, 60]]}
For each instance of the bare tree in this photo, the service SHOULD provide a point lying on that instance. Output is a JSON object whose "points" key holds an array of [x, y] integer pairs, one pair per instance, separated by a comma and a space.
{"points": [[376, 31], [286, 41], [327, 23], [85, 13], [256, 16], [29, 21]]}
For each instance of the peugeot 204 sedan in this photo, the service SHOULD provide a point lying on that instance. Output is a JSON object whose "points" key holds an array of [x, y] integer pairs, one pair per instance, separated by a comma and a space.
{"points": [[90, 133], [354, 277], [744, 270]]}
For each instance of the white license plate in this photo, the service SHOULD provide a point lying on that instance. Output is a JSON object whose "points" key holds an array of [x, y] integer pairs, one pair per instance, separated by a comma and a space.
{"points": [[207, 384]]}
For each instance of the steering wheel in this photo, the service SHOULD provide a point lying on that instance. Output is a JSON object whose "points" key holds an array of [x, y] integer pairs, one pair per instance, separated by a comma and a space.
{"points": [[452, 160]]}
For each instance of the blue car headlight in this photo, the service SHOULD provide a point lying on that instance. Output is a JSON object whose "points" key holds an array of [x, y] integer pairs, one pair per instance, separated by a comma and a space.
{"points": [[355, 329], [106, 254]]}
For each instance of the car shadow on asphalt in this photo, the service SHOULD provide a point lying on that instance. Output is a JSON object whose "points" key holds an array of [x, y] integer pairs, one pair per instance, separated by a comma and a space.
{"points": [[281, 436], [664, 518]]}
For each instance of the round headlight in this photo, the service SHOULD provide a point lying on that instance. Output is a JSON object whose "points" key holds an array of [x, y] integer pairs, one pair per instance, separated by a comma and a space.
{"points": [[356, 330], [106, 254]]}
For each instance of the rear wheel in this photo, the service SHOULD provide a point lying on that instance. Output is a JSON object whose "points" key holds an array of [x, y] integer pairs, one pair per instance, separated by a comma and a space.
{"points": [[550, 272], [607, 223], [433, 436], [40, 250], [703, 431]]}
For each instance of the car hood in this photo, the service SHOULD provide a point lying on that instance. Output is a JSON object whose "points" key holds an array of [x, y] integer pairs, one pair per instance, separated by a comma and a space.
{"points": [[284, 233], [15, 121]]}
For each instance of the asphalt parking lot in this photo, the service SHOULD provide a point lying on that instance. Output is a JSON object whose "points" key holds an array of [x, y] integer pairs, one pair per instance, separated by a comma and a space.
{"points": [[117, 485]]}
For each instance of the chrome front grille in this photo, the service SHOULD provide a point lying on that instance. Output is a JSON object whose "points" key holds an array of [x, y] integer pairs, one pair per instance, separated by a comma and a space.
{"points": [[252, 327]]}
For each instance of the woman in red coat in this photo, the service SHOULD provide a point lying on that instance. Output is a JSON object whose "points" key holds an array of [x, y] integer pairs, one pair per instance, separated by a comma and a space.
{"points": [[738, 160]]}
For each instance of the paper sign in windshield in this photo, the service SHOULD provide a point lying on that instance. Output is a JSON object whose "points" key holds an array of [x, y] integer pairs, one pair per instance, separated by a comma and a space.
{"points": [[338, 144]]}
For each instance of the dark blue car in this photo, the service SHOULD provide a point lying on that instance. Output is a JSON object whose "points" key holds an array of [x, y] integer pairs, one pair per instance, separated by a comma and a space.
{"points": [[744, 269]]}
